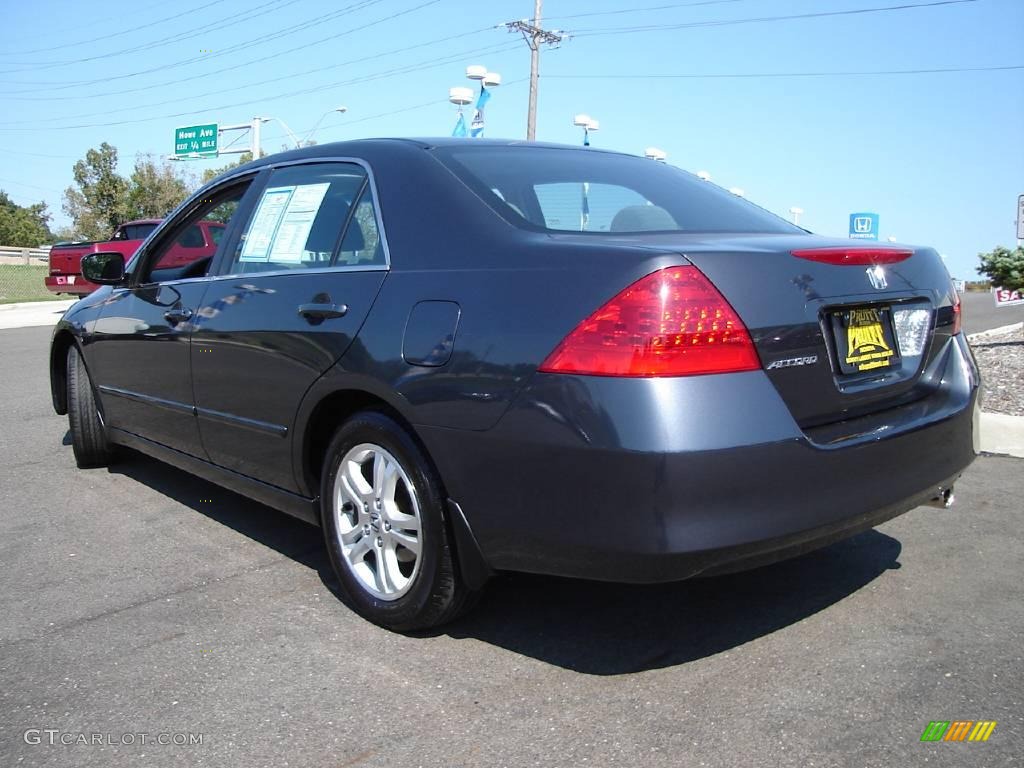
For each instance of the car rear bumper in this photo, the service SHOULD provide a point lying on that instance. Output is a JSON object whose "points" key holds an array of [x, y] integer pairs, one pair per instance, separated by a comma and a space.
{"points": [[74, 285], [646, 480]]}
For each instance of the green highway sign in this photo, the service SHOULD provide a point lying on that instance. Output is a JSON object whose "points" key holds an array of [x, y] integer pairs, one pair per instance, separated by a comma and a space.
{"points": [[196, 140]]}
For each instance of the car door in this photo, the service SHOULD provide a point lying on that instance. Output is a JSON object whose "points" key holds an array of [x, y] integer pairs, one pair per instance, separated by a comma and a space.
{"points": [[301, 277], [139, 353]]}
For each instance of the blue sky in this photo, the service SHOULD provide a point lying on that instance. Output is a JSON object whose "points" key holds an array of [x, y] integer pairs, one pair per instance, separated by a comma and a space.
{"points": [[939, 156]]}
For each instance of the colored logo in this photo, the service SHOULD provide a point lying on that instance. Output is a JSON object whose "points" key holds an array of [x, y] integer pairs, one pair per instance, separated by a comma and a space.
{"points": [[866, 344], [958, 730], [864, 226]]}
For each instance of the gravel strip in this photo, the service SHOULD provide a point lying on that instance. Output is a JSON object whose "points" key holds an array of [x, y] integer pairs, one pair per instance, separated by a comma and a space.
{"points": [[1001, 360]]}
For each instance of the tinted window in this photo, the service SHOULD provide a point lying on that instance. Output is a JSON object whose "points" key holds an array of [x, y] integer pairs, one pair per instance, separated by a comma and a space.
{"points": [[191, 237], [183, 251], [298, 220], [584, 207], [592, 191], [362, 245], [135, 231]]}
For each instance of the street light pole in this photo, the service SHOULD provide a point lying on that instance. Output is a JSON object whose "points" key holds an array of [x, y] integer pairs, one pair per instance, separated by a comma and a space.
{"points": [[340, 110], [284, 125]]}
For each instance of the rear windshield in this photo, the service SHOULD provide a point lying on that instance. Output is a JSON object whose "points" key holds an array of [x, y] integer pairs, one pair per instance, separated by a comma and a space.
{"points": [[134, 231], [568, 190]]}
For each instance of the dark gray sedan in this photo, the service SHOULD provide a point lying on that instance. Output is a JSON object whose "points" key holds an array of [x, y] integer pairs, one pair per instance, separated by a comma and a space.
{"points": [[458, 357]]}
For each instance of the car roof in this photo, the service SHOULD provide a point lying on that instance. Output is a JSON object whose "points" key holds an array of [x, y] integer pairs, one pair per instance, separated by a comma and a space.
{"points": [[358, 146], [368, 147]]}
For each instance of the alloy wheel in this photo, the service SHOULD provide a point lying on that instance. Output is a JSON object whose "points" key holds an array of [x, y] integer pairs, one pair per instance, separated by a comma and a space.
{"points": [[377, 516]]}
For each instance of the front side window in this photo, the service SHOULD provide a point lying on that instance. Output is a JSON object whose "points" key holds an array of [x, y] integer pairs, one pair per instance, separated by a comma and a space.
{"points": [[569, 190], [184, 251], [299, 219]]}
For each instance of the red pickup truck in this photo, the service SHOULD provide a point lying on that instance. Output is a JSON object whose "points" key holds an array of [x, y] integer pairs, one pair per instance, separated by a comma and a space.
{"points": [[197, 242]]}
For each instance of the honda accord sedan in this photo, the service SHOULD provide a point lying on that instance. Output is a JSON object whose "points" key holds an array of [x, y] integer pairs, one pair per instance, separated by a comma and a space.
{"points": [[459, 357]]}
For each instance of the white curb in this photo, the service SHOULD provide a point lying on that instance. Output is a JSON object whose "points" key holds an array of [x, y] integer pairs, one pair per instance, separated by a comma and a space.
{"points": [[980, 335]]}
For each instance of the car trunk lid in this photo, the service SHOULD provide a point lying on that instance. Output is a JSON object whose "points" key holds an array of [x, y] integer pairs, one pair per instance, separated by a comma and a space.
{"points": [[839, 337], [838, 340]]}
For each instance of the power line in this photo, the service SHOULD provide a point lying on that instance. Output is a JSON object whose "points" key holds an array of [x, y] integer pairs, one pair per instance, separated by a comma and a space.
{"points": [[757, 75], [241, 65], [404, 69], [357, 6], [265, 97], [234, 20], [401, 110], [178, 15], [648, 8], [729, 22], [28, 186]]}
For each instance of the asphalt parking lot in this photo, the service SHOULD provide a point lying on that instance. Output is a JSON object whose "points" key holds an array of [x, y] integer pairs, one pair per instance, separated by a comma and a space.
{"points": [[142, 601], [982, 314]]}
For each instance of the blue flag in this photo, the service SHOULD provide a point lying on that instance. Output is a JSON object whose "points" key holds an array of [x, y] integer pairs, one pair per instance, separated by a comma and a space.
{"points": [[460, 127], [476, 127], [484, 97]]}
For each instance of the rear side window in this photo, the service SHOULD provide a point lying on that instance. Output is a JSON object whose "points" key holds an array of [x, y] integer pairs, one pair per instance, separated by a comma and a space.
{"points": [[569, 190], [362, 245], [299, 219], [135, 231]]}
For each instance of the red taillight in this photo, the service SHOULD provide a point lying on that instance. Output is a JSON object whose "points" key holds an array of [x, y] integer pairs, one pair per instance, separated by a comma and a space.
{"points": [[671, 323], [956, 313], [843, 256]]}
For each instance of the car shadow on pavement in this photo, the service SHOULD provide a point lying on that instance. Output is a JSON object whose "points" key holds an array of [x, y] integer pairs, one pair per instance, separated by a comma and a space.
{"points": [[591, 627], [610, 629], [285, 534]]}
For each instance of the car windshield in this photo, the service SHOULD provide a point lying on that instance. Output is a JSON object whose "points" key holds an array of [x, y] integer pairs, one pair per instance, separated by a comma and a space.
{"points": [[569, 190]]}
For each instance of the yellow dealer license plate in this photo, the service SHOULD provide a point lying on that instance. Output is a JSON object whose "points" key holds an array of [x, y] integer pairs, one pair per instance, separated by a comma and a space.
{"points": [[864, 339]]}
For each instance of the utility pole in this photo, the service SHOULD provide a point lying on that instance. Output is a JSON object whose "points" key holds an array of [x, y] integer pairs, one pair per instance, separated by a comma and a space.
{"points": [[534, 35]]}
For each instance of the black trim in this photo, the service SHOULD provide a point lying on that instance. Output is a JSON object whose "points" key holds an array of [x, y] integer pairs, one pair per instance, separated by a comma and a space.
{"points": [[266, 427], [473, 566], [301, 507], [240, 421], [159, 402]]}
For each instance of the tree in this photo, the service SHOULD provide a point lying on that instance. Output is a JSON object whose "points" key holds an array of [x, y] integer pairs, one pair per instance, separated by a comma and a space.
{"points": [[154, 190], [1005, 268], [100, 202], [211, 173], [23, 226], [103, 198]]}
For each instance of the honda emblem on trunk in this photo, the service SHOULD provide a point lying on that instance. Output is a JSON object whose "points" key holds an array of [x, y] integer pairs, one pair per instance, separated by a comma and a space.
{"points": [[877, 277]]}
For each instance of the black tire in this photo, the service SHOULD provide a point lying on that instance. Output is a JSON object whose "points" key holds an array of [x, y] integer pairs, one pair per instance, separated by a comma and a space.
{"points": [[88, 435], [434, 594]]}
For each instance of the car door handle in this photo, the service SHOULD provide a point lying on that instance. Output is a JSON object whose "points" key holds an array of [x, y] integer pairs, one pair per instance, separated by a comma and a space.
{"points": [[317, 313], [177, 315]]}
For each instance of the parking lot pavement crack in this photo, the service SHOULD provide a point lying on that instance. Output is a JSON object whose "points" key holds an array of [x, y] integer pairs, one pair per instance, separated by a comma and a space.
{"points": [[204, 584]]}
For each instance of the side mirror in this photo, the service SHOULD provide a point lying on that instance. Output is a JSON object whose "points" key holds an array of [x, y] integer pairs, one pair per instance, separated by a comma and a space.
{"points": [[104, 268]]}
